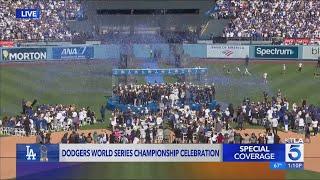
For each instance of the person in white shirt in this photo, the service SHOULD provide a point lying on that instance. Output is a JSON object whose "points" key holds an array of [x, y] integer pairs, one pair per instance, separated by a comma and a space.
{"points": [[269, 114], [136, 140], [82, 116], [18, 124], [315, 127], [300, 67], [31, 124], [159, 120], [105, 139], [238, 69], [48, 118], [246, 72], [207, 111], [227, 112], [301, 125], [265, 76], [284, 69], [270, 138], [294, 107], [69, 123], [213, 138], [275, 125], [286, 122]]}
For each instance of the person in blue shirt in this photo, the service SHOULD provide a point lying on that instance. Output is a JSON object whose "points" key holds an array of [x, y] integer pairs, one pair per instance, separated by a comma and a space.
{"points": [[36, 122], [103, 113]]}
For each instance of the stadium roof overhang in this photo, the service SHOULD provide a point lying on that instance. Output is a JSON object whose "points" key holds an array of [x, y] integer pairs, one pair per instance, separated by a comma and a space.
{"points": [[172, 15]]}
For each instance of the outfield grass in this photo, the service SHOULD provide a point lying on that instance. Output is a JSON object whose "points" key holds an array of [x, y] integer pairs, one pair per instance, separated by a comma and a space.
{"points": [[86, 84], [80, 84], [296, 86], [301, 175]]}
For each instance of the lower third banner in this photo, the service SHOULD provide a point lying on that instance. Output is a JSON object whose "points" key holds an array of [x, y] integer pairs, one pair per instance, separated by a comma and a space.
{"points": [[119, 153]]}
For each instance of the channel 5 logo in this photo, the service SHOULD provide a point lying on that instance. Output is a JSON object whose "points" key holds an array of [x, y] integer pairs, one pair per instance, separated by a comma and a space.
{"points": [[294, 153]]}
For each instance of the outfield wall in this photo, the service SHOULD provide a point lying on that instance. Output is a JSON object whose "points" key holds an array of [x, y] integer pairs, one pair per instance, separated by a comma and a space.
{"points": [[113, 51]]}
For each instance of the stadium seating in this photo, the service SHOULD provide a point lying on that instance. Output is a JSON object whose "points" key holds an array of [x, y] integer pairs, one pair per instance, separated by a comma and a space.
{"points": [[259, 19], [275, 18], [51, 26]]}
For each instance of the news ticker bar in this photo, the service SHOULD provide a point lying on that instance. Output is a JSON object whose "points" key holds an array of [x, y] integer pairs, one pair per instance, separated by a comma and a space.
{"points": [[280, 156]]}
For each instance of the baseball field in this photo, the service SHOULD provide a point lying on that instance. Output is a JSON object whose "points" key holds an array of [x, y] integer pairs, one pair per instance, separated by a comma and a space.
{"points": [[87, 83]]}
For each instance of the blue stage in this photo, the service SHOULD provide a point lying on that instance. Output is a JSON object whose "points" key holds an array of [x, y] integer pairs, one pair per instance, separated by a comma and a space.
{"points": [[171, 71], [113, 102]]}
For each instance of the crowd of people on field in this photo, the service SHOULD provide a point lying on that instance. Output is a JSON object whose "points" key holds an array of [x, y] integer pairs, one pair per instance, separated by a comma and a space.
{"points": [[51, 26], [176, 120], [274, 18], [230, 137], [36, 119], [206, 124], [164, 93]]}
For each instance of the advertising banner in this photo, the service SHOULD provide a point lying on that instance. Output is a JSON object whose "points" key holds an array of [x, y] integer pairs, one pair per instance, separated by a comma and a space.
{"points": [[80, 52], [276, 52], [311, 52], [227, 51], [6, 43], [293, 41], [24, 54]]}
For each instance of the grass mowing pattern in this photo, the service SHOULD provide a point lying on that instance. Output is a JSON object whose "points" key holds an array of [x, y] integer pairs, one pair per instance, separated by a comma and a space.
{"points": [[86, 84], [297, 175], [83, 84], [294, 85]]}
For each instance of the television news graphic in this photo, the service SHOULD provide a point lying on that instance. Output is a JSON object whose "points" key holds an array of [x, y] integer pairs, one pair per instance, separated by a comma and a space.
{"points": [[280, 156], [31, 155], [294, 153], [251, 153], [28, 13], [37, 153], [119, 153]]}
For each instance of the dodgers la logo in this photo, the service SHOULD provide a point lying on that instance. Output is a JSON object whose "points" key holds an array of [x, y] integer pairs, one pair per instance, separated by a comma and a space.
{"points": [[294, 153], [30, 154]]}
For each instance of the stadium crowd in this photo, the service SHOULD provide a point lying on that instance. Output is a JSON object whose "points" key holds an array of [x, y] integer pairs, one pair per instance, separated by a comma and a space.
{"points": [[46, 118], [274, 18], [51, 26]]}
